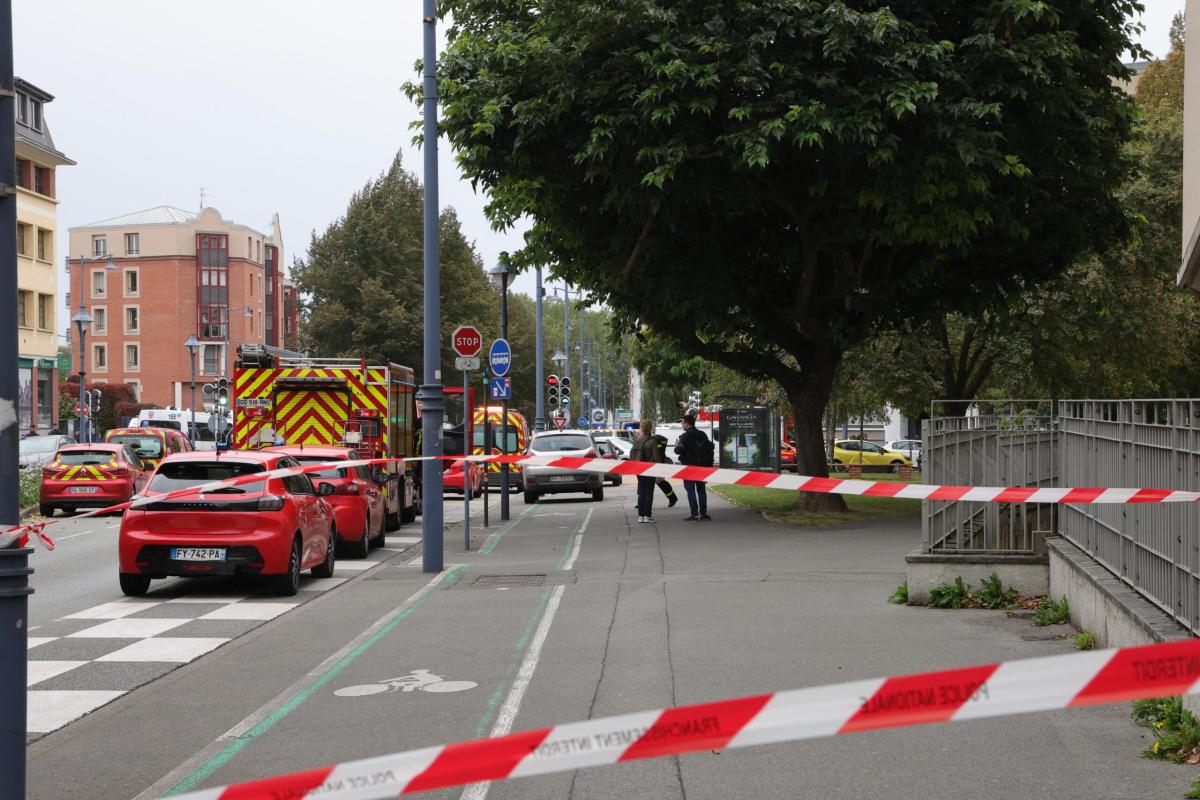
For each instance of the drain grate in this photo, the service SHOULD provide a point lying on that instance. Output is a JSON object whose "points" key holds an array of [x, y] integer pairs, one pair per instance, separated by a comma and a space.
{"points": [[485, 581]]}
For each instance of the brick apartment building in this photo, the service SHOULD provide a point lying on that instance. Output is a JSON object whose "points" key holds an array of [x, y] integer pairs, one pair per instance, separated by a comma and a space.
{"points": [[37, 277], [174, 273]]}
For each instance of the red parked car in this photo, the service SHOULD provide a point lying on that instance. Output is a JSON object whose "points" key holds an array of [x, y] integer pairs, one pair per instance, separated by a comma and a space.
{"points": [[274, 527], [90, 476], [452, 478], [359, 505], [787, 457]]}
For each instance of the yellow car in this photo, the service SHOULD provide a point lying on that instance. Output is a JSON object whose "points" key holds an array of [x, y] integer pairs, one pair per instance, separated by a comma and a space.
{"points": [[852, 451]]}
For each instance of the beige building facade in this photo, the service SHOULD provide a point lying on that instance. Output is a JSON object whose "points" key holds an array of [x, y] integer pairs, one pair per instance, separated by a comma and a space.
{"points": [[37, 274]]}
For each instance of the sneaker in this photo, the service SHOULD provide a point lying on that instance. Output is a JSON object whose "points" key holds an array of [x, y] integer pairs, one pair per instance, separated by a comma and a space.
{"points": [[649, 519], [641, 519], [705, 516], [692, 518]]}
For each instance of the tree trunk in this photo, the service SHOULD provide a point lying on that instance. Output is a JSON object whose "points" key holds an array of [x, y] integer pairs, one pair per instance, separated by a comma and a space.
{"points": [[809, 395]]}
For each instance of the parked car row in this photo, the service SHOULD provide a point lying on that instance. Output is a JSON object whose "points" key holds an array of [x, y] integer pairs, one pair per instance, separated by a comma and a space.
{"points": [[276, 527]]}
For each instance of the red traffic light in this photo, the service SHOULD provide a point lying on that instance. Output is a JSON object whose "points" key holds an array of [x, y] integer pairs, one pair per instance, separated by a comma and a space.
{"points": [[552, 380]]}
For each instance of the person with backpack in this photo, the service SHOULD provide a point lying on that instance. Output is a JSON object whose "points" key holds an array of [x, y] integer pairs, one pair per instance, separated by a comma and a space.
{"points": [[645, 448], [695, 450]]}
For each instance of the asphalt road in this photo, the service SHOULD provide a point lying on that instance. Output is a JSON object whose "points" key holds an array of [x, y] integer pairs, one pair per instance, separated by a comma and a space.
{"points": [[573, 611]]}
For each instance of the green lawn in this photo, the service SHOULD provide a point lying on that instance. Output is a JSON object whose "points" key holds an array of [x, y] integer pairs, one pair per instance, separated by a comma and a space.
{"points": [[779, 505]]}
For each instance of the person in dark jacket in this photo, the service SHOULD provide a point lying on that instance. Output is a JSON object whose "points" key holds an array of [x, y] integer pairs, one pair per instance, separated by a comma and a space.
{"points": [[645, 448], [691, 449], [663, 483]]}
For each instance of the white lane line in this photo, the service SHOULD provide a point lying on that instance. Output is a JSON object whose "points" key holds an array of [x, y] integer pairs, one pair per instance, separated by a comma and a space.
{"points": [[114, 610], [570, 562], [512, 703], [246, 725]]}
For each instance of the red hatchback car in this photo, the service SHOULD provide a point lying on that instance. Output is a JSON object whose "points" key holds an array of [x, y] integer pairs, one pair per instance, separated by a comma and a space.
{"points": [[359, 507], [274, 527], [90, 476], [452, 478]]}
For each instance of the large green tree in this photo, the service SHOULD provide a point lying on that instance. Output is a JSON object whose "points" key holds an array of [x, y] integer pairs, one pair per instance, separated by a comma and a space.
{"points": [[765, 181]]}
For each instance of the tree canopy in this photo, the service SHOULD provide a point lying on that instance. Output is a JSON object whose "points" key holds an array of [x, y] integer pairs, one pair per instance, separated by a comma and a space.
{"points": [[765, 182]]}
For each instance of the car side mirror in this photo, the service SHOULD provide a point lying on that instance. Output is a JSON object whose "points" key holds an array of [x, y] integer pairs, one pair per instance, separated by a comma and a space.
{"points": [[381, 477], [324, 489]]}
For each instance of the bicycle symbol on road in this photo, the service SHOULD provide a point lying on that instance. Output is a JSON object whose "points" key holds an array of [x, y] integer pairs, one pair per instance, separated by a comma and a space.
{"points": [[421, 679]]}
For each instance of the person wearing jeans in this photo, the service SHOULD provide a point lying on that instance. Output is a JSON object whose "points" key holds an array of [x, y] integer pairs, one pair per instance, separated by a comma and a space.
{"points": [[693, 450], [645, 448]]}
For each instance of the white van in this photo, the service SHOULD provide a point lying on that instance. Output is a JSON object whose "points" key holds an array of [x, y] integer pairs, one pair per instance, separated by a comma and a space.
{"points": [[204, 437]]}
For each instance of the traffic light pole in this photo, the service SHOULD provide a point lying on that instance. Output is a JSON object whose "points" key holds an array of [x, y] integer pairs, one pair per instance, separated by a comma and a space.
{"points": [[539, 414], [504, 469]]}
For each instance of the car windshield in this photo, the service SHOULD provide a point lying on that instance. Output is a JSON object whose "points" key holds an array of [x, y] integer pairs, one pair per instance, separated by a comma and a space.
{"points": [[145, 446], [329, 474], [561, 441], [73, 458], [39, 444], [184, 474]]}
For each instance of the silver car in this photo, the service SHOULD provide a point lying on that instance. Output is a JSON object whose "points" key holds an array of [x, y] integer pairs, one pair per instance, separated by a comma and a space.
{"points": [[553, 480], [38, 451]]}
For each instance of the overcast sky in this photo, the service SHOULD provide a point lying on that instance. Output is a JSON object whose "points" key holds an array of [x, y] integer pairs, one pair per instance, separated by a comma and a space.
{"points": [[284, 106]]}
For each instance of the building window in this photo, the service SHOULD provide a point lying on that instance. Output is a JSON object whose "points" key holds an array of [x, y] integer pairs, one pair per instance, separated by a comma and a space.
{"points": [[99, 283], [21, 238], [99, 320], [23, 173], [22, 107], [251, 282], [46, 311], [212, 301], [35, 114], [99, 246], [39, 180], [99, 358], [45, 400], [23, 309], [137, 390], [210, 359], [252, 322], [131, 357], [258, 252], [131, 283], [132, 244], [132, 321], [43, 237]]}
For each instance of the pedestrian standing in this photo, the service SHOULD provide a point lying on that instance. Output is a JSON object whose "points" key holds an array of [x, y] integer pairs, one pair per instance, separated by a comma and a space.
{"points": [[663, 483], [645, 448], [695, 449]]}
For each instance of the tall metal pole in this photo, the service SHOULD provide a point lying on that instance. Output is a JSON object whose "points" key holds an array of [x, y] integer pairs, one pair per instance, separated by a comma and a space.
{"points": [[504, 405], [539, 414], [83, 423], [431, 386], [567, 344], [193, 355], [468, 437], [14, 560]]}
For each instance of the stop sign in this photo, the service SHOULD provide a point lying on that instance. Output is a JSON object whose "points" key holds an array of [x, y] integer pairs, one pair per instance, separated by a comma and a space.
{"points": [[467, 341]]}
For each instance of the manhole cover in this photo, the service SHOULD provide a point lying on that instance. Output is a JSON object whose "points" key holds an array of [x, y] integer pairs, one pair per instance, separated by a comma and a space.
{"points": [[485, 581]]}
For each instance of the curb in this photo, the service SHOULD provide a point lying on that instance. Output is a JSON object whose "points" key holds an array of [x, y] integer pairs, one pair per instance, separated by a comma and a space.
{"points": [[27, 511]]}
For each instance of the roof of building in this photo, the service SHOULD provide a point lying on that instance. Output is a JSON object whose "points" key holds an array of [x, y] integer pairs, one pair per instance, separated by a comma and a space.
{"points": [[39, 139], [159, 215]]}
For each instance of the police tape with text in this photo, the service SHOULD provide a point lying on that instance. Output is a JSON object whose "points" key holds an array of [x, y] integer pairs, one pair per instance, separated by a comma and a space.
{"points": [[991, 690]]}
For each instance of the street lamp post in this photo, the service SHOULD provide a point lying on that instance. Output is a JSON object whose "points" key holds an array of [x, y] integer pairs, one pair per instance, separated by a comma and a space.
{"points": [[192, 345], [501, 269], [539, 414]]}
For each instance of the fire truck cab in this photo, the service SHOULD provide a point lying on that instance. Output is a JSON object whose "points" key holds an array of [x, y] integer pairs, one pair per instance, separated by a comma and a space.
{"points": [[297, 400]]}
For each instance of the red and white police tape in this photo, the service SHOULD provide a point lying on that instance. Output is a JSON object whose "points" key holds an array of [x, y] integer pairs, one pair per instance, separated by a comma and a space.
{"points": [[713, 475], [991, 690]]}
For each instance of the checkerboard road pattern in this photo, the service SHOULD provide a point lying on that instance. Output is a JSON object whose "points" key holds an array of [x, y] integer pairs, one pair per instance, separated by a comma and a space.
{"points": [[84, 660]]}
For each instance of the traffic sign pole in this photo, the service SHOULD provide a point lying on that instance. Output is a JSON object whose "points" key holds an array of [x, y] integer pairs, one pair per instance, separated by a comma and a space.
{"points": [[466, 465]]}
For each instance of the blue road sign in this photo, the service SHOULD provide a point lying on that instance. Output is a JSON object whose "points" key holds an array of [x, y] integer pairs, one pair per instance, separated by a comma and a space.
{"points": [[582, 422], [500, 358], [500, 388]]}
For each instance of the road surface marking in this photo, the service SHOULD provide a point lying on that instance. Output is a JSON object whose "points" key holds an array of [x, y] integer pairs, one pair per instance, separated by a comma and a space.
{"points": [[421, 679], [494, 539], [44, 670], [34, 641], [50, 710], [128, 629], [203, 764], [260, 611], [115, 610], [570, 562], [169, 650]]}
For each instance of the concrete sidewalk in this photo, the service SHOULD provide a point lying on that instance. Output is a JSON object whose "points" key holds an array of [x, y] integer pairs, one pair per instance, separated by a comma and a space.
{"points": [[647, 616]]}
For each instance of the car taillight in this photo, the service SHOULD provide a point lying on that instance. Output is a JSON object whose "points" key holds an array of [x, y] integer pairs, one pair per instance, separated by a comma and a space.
{"points": [[348, 488], [119, 472], [270, 502], [51, 472]]}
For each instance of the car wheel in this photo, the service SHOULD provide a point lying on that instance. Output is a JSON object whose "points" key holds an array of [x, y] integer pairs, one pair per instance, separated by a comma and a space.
{"points": [[898, 463], [617, 481], [325, 568], [288, 583], [361, 548], [380, 538], [46, 511], [133, 584], [598, 494], [530, 498]]}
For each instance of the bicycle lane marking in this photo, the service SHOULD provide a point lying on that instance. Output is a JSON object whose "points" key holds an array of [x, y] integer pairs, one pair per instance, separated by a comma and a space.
{"points": [[494, 539], [203, 764], [543, 617]]}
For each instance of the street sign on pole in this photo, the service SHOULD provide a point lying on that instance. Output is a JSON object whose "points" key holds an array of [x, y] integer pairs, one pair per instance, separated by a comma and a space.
{"points": [[598, 416], [500, 388], [582, 422], [560, 421], [466, 364], [466, 341], [500, 357]]}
